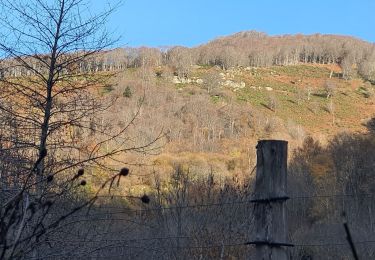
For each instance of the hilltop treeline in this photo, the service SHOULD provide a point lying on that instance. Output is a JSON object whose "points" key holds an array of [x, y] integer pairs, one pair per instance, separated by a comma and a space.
{"points": [[257, 49], [249, 48]]}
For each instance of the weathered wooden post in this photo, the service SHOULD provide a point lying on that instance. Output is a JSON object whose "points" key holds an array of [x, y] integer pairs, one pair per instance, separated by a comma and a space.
{"points": [[269, 198]]}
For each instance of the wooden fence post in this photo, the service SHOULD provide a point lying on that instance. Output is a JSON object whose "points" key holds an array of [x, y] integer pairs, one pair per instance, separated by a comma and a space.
{"points": [[269, 198]]}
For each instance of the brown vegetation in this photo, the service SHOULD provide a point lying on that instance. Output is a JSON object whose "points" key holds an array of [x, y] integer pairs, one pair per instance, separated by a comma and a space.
{"points": [[92, 112]]}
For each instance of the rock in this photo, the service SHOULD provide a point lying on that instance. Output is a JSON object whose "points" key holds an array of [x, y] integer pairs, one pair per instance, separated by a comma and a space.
{"points": [[176, 80], [185, 80], [268, 88], [199, 81], [234, 85]]}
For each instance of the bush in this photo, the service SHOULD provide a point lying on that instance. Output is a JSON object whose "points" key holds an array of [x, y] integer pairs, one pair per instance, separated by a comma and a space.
{"points": [[295, 131], [272, 103], [127, 92], [107, 89], [330, 107], [270, 125], [367, 91]]}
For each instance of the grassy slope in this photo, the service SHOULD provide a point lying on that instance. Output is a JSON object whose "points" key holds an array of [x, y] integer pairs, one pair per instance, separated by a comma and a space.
{"points": [[289, 88]]}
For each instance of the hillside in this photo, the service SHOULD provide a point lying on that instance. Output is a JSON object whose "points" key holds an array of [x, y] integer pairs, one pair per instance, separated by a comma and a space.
{"points": [[213, 102], [213, 118], [159, 146]]}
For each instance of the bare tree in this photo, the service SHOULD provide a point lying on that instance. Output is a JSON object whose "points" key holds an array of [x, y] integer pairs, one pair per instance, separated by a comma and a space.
{"points": [[181, 59], [52, 115], [367, 66], [330, 88], [212, 80]]}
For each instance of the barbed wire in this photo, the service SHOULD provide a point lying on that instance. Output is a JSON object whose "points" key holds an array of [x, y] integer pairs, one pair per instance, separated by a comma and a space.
{"points": [[213, 245], [332, 244], [360, 195], [216, 244], [237, 202], [123, 210]]}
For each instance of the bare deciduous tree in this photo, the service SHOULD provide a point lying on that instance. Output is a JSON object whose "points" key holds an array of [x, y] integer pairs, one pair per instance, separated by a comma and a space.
{"points": [[212, 80], [50, 112], [329, 88]]}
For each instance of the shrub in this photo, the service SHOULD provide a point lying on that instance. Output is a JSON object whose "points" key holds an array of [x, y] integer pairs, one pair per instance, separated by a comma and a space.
{"points": [[295, 131], [272, 103], [367, 91], [107, 89], [127, 92]]}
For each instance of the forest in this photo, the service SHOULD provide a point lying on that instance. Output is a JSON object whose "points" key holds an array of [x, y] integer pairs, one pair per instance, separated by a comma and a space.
{"points": [[150, 153]]}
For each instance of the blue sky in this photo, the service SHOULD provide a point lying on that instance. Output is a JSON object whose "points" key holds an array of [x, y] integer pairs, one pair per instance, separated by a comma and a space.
{"points": [[193, 22]]}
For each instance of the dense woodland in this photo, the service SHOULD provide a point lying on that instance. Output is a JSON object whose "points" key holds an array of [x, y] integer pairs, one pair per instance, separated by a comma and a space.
{"points": [[146, 153]]}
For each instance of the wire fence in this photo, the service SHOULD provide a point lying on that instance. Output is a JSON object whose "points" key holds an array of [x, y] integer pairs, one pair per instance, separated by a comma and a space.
{"points": [[112, 226], [181, 227]]}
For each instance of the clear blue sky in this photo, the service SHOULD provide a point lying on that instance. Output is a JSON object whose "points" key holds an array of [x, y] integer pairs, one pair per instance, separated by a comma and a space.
{"points": [[193, 22]]}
